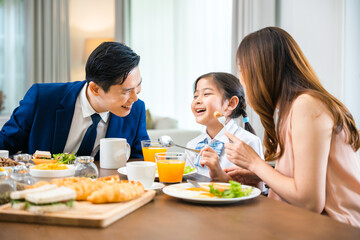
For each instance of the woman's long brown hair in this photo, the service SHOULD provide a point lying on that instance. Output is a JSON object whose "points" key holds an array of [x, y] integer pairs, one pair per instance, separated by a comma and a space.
{"points": [[275, 72]]}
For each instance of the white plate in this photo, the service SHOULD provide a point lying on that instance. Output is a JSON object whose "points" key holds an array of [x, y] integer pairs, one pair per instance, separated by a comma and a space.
{"points": [[155, 186], [179, 191], [53, 173], [123, 171]]}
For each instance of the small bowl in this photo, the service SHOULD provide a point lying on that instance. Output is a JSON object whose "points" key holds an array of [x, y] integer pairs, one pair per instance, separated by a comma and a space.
{"points": [[53, 173]]}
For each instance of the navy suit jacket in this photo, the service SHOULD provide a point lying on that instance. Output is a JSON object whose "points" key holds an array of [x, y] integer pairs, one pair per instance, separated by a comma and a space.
{"points": [[42, 121]]}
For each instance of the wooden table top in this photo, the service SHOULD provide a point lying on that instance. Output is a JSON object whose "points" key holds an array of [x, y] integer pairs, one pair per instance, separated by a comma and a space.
{"points": [[169, 218]]}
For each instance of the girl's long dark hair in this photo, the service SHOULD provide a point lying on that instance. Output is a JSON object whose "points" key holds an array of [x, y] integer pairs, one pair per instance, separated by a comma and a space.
{"points": [[230, 86]]}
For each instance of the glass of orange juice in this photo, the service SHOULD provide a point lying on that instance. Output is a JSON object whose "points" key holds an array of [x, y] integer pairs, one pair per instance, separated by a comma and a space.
{"points": [[149, 148], [170, 166]]}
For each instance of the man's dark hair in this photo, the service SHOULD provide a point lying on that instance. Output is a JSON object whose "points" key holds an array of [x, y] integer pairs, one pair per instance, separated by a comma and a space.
{"points": [[110, 64]]}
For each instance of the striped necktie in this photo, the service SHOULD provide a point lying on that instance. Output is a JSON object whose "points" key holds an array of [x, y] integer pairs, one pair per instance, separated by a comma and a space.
{"points": [[216, 145]]}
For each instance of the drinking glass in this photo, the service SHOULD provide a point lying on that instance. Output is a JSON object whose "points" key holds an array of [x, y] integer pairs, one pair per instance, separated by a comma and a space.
{"points": [[170, 166], [24, 158], [150, 148]]}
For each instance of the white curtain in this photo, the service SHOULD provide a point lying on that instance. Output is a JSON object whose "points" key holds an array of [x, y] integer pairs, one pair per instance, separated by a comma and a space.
{"points": [[249, 16], [179, 40], [47, 41], [12, 52], [122, 20]]}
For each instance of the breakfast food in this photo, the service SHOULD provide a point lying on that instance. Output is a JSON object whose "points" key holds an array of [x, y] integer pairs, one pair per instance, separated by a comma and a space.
{"points": [[218, 190], [65, 158], [37, 184], [111, 178], [117, 192], [18, 197], [84, 187], [217, 114], [54, 200], [40, 157], [8, 162], [50, 166], [105, 189], [217, 186]]}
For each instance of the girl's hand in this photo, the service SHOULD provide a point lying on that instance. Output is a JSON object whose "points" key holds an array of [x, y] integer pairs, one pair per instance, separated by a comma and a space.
{"points": [[210, 158], [240, 153], [243, 176]]}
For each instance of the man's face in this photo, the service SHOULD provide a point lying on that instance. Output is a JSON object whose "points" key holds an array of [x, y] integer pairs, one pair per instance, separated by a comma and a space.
{"points": [[120, 98]]}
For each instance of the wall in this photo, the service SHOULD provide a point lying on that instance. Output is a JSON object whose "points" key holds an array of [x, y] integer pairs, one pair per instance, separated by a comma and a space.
{"points": [[317, 27], [352, 58], [328, 33], [88, 19]]}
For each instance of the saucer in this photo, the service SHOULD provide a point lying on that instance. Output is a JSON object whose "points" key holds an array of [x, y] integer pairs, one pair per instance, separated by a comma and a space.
{"points": [[155, 185]]}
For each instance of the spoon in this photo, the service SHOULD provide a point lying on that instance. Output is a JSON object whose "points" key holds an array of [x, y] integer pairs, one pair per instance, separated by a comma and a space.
{"points": [[166, 141], [194, 183]]}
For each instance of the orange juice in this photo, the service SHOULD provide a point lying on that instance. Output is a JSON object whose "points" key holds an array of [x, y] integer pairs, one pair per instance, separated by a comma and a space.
{"points": [[170, 171], [149, 153]]}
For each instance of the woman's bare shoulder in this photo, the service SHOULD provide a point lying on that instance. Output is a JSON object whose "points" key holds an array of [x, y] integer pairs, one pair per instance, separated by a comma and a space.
{"points": [[311, 107]]}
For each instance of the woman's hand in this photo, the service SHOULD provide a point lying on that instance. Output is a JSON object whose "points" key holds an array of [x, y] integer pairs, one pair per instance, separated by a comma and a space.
{"points": [[240, 153], [243, 176], [210, 158]]}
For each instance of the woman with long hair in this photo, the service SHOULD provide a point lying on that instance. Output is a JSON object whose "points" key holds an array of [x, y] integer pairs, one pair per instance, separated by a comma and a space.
{"points": [[314, 139]]}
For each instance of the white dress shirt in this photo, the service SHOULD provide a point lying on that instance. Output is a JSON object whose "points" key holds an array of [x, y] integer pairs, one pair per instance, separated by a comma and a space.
{"points": [[232, 127], [81, 121]]}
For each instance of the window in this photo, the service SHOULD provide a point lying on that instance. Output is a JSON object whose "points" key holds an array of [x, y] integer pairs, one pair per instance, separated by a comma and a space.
{"points": [[12, 62], [179, 40]]}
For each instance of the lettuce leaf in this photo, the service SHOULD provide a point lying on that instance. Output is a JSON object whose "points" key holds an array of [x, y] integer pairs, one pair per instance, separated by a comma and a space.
{"points": [[67, 203], [65, 158], [188, 169], [235, 191]]}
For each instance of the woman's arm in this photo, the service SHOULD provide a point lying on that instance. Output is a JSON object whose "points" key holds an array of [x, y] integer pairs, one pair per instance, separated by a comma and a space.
{"points": [[311, 136]]}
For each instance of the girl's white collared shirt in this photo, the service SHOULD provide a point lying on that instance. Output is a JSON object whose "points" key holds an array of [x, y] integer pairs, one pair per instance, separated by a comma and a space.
{"points": [[232, 127]]}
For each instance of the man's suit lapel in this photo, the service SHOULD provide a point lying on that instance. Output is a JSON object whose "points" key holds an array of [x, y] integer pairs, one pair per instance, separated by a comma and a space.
{"points": [[64, 117], [115, 124]]}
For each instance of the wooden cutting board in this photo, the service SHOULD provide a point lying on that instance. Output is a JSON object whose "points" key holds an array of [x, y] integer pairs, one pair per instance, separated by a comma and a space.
{"points": [[85, 214]]}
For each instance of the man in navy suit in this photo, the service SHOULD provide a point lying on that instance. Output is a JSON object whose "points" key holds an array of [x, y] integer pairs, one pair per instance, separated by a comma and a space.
{"points": [[57, 117]]}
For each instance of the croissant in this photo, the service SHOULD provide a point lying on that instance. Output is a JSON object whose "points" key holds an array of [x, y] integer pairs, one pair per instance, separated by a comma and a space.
{"points": [[38, 184], [117, 192], [111, 178]]}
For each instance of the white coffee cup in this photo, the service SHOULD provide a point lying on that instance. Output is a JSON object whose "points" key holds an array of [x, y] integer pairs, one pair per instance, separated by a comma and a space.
{"points": [[114, 152], [4, 153], [141, 171]]}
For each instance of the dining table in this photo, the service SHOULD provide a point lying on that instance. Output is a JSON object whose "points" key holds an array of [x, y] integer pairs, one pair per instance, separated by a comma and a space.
{"points": [[166, 217]]}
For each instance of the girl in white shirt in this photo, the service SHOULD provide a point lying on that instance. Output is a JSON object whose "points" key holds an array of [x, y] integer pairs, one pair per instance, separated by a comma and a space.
{"points": [[221, 92]]}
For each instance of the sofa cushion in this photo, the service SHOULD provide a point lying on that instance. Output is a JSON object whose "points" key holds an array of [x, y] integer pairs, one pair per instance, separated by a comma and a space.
{"points": [[164, 123], [149, 122]]}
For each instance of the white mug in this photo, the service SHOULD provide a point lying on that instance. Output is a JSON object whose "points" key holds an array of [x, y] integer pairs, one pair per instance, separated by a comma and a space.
{"points": [[141, 171], [4, 153], [114, 152]]}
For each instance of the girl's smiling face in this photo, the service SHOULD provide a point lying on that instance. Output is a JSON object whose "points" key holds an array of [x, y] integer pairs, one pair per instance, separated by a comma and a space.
{"points": [[208, 99]]}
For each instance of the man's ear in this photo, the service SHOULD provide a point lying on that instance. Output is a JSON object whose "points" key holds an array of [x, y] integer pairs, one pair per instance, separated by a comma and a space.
{"points": [[94, 88], [233, 102]]}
